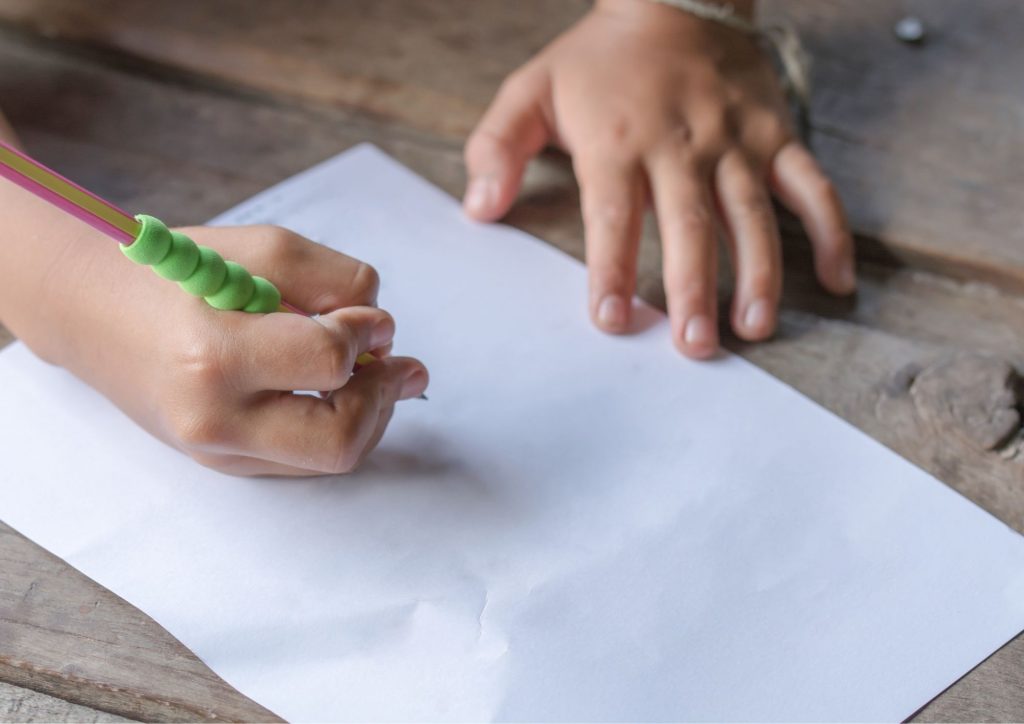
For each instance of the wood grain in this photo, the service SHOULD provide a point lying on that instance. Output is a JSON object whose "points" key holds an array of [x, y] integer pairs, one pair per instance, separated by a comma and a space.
{"points": [[25, 705], [924, 141], [940, 122], [401, 61], [63, 635]]}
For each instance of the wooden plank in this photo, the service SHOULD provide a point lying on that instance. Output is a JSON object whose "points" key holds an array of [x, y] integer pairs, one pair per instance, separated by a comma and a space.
{"points": [[25, 705], [63, 635], [923, 141], [97, 125], [990, 693], [403, 61]]}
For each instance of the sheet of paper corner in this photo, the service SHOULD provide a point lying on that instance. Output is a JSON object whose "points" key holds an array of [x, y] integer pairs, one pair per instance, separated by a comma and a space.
{"points": [[576, 527]]}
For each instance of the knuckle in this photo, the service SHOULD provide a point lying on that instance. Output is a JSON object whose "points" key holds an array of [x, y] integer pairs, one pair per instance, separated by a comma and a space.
{"points": [[695, 134], [615, 139], [677, 139], [760, 281], [197, 430], [752, 205], [609, 276], [605, 216], [691, 292], [200, 364], [481, 143], [366, 282], [349, 446], [517, 83], [689, 222], [619, 131], [679, 133], [337, 354], [199, 373], [695, 294], [279, 245], [362, 289]]}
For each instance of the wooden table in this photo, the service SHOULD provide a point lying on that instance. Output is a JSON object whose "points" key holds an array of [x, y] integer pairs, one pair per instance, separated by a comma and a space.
{"points": [[183, 109]]}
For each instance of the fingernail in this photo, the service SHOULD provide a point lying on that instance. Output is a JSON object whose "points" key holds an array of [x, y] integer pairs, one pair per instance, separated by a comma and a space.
{"points": [[612, 312], [382, 333], [757, 318], [480, 196], [848, 276], [414, 384], [700, 333]]}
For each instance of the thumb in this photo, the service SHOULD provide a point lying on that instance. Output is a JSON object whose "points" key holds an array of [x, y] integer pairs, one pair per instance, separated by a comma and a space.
{"points": [[511, 132]]}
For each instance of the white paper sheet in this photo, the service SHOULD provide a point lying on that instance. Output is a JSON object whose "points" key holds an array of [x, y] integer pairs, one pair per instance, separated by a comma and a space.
{"points": [[574, 527]]}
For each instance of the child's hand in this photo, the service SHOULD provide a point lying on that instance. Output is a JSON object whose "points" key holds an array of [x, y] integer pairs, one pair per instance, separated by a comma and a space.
{"points": [[654, 103], [224, 395], [217, 385]]}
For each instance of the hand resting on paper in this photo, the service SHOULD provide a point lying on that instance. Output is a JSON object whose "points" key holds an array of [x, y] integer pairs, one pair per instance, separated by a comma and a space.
{"points": [[657, 105], [214, 384]]}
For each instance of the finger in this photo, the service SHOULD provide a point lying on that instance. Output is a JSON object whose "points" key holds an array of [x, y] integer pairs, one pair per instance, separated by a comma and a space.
{"points": [[511, 132], [377, 382], [611, 198], [804, 188], [310, 276], [689, 253], [243, 466], [754, 240], [329, 436], [382, 423], [288, 352]]}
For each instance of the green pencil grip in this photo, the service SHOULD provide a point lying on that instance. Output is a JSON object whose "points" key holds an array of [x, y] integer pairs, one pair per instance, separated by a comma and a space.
{"points": [[199, 270]]}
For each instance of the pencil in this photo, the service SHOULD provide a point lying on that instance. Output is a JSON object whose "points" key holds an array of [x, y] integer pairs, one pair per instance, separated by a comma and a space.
{"points": [[146, 240]]}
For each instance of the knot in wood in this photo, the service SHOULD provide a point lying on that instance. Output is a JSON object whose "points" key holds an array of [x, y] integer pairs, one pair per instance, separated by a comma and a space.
{"points": [[977, 398]]}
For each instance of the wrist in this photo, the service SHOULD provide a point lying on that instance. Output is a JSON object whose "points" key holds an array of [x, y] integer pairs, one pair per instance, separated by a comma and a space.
{"points": [[688, 32], [741, 8], [41, 263]]}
